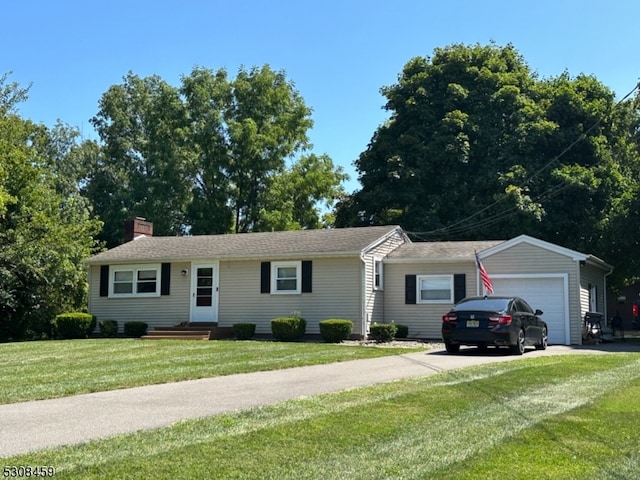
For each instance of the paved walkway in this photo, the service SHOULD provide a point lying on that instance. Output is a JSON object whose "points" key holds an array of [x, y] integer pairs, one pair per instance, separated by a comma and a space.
{"points": [[31, 426]]}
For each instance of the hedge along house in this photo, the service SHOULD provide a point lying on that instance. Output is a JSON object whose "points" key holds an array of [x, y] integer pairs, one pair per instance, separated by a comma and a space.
{"points": [[243, 278], [366, 275], [423, 280]]}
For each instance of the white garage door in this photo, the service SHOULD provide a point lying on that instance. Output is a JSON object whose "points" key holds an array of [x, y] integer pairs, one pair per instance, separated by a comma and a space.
{"points": [[546, 293]]}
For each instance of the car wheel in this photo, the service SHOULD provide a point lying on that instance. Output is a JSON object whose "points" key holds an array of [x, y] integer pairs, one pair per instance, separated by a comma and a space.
{"points": [[543, 340], [518, 348], [452, 347]]}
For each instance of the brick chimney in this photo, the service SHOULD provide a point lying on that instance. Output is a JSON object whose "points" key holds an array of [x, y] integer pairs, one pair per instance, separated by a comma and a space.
{"points": [[135, 227]]}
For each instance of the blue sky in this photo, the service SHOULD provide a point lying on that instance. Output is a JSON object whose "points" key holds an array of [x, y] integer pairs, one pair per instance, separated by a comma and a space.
{"points": [[338, 53]]}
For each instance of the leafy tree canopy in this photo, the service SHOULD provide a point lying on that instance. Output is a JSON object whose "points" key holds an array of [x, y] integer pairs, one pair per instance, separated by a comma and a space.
{"points": [[45, 229], [212, 156], [478, 147]]}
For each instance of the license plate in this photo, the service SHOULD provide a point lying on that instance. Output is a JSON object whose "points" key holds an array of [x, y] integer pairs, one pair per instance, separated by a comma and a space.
{"points": [[473, 323]]}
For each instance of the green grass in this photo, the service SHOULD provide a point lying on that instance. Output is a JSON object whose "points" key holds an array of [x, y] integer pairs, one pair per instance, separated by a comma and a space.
{"points": [[49, 369], [561, 417]]}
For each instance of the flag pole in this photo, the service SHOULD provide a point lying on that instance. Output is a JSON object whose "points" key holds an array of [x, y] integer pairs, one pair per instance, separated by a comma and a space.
{"points": [[484, 276]]}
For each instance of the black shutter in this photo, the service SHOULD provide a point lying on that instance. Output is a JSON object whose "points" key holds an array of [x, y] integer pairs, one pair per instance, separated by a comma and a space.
{"points": [[307, 274], [459, 287], [165, 279], [104, 280], [410, 289], [265, 277]]}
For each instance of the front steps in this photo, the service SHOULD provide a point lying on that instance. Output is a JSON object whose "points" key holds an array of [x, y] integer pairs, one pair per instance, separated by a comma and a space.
{"points": [[170, 334], [199, 331]]}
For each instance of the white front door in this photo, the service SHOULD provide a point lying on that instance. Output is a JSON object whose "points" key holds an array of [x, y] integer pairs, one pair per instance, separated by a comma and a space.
{"points": [[204, 292]]}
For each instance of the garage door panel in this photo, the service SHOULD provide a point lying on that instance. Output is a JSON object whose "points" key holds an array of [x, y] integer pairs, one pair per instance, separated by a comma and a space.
{"points": [[544, 293]]}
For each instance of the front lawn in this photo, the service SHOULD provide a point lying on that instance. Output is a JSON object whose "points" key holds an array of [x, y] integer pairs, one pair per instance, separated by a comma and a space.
{"points": [[49, 369], [559, 417]]}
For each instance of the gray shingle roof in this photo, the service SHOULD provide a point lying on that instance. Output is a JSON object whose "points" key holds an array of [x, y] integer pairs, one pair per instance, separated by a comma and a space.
{"points": [[441, 250], [338, 241]]}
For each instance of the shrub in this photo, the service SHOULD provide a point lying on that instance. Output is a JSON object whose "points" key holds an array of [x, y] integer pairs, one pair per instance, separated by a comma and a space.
{"points": [[74, 325], [335, 330], [244, 331], [288, 329], [382, 332], [402, 331], [135, 329], [108, 328]]}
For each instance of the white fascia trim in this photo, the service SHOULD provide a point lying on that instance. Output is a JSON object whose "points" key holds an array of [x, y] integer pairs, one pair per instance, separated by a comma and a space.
{"points": [[430, 260], [384, 238], [552, 247]]}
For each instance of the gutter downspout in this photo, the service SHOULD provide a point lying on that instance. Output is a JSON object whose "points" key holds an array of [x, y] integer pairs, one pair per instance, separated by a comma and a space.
{"points": [[363, 297]]}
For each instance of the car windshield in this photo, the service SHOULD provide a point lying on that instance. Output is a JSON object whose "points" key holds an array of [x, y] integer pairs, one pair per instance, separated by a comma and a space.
{"points": [[484, 304]]}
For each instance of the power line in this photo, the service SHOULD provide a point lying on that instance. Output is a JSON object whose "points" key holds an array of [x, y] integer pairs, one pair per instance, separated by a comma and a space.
{"points": [[550, 192]]}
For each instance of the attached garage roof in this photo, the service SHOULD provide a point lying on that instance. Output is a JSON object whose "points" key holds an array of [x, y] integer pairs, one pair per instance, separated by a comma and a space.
{"points": [[552, 247], [440, 251], [456, 251]]}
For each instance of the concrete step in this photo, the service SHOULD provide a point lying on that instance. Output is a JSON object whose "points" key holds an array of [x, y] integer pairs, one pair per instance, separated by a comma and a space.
{"points": [[191, 334], [175, 337]]}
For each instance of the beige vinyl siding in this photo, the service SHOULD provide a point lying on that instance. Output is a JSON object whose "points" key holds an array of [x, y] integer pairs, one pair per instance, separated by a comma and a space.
{"points": [[335, 294], [584, 300], [374, 298], [591, 276], [423, 320], [530, 259], [527, 258], [162, 311]]}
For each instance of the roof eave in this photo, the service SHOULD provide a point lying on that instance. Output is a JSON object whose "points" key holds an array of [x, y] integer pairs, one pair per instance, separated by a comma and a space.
{"points": [[593, 260], [394, 229], [261, 256], [424, 259]]}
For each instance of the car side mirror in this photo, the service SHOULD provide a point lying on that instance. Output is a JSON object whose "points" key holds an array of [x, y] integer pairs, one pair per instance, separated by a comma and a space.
{"points": [[538, 312]]}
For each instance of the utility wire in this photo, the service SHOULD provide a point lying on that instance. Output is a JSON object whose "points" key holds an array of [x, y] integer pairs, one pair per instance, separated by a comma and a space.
{"points": [[550, 192]]}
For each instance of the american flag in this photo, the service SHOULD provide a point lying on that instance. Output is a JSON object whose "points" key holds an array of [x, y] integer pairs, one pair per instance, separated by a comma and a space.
{"points": [[486, 281]]}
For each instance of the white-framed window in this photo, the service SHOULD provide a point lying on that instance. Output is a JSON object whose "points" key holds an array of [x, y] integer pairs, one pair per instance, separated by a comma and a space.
{"points": [[434, 288], [134, 281], [378, 274], [286, 277]]}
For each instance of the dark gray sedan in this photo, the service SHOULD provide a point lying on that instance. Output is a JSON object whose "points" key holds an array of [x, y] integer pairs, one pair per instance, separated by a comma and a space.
{"points": [[494, 321]]}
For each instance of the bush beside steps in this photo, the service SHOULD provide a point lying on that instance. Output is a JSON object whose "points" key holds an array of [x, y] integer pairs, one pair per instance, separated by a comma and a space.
{"points": [[244, 331], [135, 329]]}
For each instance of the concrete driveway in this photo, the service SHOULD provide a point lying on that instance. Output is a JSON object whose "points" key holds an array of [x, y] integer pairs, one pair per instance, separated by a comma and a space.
{"points": [[31, 426]]}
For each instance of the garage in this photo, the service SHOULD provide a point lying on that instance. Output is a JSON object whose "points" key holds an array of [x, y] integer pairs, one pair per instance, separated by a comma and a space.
{"points": [[545, 292], [563, 283]]}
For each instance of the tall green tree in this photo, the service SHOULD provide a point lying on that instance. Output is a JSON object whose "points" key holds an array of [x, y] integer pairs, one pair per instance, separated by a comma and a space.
{"points": [[583, 176], [45, 229], [458, 122], [206, 95], [245, 129], [620, 243], [296, 198], [477, 147], [207, 157], [142, 167]]}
